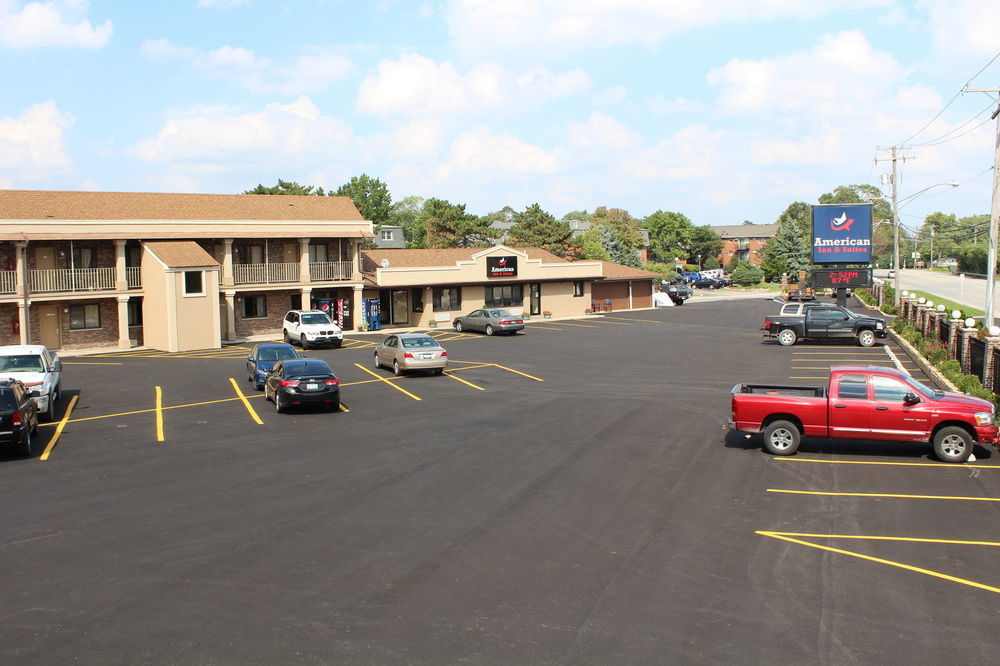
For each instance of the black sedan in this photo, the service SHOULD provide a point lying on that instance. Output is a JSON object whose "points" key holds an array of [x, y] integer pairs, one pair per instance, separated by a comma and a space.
{"points": [[709, 283], [299, 382]]}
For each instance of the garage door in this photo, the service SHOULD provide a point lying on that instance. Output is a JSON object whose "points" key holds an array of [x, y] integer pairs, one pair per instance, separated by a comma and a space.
{"points": [[616, 291], [642, 294]]}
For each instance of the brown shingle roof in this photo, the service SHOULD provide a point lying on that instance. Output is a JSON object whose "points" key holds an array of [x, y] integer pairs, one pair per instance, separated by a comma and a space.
{"points": [[56, 205], [181, 254], [613, 272]]}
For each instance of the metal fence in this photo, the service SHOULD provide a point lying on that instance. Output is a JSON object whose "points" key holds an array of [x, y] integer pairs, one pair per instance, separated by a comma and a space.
{"points": [[944, 330], [977, 356], [996, 369]]}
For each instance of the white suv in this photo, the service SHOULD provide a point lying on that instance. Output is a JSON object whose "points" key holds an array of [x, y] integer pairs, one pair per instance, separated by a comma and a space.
{"points": [[311, 327], [38, 369]]}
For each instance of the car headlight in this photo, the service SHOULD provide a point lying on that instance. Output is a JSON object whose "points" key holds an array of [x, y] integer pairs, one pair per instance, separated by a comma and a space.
{"points": [[878, 325], [984, 418]]}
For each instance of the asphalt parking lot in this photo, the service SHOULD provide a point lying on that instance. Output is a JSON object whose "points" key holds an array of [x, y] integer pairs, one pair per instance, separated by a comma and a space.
{"points": [[562, 496]]}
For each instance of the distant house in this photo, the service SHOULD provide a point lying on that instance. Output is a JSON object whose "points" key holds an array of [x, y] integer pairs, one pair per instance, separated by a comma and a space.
{"points": [[744, 242], [390, 236]]}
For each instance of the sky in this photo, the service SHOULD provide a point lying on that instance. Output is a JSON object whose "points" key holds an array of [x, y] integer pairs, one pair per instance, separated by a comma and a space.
{"points": [[724, 111]]}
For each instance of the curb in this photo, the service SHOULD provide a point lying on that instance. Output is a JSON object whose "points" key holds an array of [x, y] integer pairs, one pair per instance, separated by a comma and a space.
{"points": [[943, 382]]}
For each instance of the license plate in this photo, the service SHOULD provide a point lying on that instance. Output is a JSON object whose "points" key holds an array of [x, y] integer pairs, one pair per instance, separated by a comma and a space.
{"points": [[312, 387], [427, 356]]}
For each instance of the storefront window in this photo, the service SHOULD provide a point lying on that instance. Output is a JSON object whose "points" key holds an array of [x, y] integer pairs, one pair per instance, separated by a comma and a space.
{"points": [[504, 296], [447, 299], [418, 299]]}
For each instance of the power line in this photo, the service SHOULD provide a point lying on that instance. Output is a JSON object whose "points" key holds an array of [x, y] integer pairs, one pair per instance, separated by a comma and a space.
{"points": [[945, 139], [945, 108]]}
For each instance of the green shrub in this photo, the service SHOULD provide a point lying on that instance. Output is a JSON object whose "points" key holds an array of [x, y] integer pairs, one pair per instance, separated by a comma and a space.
{"points": [[746, 274], [950, 368]]}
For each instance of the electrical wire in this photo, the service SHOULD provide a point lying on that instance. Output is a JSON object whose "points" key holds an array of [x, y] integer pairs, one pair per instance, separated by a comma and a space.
{"points": [[945, 138], [945, 108]]}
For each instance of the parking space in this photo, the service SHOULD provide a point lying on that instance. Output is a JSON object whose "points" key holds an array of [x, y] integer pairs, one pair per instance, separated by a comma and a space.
{"points": [[560, 495]]}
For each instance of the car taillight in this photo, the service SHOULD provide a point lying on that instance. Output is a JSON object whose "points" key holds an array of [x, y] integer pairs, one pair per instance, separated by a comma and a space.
{"points": [[16, 419], [407, 355], [767, 324], [506, 323], [290, 382], [332, 382], [444, 353]]}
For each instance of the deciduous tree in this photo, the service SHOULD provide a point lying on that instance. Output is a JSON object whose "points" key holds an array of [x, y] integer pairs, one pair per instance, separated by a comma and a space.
{"points": [[370, 195]]}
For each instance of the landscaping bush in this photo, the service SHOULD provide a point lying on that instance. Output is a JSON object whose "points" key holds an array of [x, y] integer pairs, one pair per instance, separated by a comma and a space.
{"points": [[745, 274]]}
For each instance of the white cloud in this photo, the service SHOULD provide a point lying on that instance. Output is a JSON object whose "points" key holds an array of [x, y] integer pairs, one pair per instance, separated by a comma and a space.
{"points": [[279, 133], [600, 135], [964, 27], [839, 78], [58, 23], [313, 70], [416, 85], [34, 143], [484, 26], [476, 151], [692, 153]]}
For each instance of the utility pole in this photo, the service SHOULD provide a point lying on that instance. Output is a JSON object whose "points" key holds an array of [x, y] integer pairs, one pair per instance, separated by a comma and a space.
{"points": [[991, 257], [895, 215]]}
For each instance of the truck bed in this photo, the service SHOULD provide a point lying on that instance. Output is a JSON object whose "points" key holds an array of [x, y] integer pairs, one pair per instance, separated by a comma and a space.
{"points": [[778, 389]]}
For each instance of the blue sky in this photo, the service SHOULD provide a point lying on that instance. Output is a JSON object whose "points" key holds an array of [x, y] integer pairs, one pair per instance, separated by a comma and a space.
{"points": [[724, 111]]}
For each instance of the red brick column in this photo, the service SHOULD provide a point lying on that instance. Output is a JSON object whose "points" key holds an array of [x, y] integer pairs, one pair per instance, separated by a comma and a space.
{"points": [[967, 333], [954, 337], [992, 343]]}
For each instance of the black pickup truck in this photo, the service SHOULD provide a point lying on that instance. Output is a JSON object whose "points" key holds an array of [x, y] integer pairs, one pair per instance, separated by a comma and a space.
{"points": [[828, 323]]}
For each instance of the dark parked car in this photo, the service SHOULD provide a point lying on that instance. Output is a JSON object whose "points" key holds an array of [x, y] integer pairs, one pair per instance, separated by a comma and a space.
{"points": [[303, 381], [18, 415], [263, 357], [830, 323], [677, 291], [709, 283]]}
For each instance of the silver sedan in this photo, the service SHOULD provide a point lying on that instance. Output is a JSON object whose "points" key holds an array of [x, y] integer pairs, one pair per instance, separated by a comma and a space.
{"points": [[411, 351], [490, 321]]}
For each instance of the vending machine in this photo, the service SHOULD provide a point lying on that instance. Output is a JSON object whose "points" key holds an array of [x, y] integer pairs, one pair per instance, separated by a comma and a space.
{"points": [[372, 313], [342, 312]]}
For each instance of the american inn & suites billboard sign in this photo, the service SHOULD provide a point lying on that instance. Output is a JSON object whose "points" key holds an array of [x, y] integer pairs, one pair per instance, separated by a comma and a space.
{"points": [[842, 234]]}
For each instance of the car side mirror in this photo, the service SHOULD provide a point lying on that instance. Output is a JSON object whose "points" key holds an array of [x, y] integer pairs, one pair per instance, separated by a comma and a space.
{"points": [[910, 399], [249, 358], [846, 317], [34, 394], [57, 366]]}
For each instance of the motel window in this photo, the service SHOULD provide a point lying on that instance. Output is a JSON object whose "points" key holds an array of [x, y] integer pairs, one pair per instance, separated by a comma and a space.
{"points": [[193, 283], [84, 257], [134, 312], [318, 254], [504, 296], [254, 306], [387, 234], [418, 299], [84, 316], [447, 299], [578, 288], [248, 254]]}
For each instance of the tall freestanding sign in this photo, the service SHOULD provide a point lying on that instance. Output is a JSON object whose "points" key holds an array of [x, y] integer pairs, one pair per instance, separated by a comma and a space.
{"points": [[842, 234]]}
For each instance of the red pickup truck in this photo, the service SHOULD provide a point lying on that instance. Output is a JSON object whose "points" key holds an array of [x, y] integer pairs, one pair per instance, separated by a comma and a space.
{"points": [[864, 402]]}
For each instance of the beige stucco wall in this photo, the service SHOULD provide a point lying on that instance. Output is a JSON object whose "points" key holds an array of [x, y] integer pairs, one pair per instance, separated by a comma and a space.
{"points": [[156, 328], [197, 317]]}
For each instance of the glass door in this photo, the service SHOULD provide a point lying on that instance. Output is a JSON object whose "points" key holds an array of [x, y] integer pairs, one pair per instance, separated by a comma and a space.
{"points": [[536, 298]]}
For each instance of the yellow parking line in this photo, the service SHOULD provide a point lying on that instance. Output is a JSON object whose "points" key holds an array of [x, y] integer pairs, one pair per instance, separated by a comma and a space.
{"points": [[62, 424], [543, 327], [888, 495], [900, 464], [246, 403], [788, 536], [648, 321], [605, 320], [458, 379], [159, 414], [343, 408], [566, 323], [517, 372], [469, 367], [383, 379]]}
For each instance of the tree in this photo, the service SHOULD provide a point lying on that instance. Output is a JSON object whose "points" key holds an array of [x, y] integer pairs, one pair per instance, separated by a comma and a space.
{"points": [[773, 265], [746, 274], [705, 241], [620, 251], [626, 226], [287, 187], [448, 225], [536, 228], [791, 244], [579, 215], [404, 213], [670, 235], [591, 246], [370, 195]]}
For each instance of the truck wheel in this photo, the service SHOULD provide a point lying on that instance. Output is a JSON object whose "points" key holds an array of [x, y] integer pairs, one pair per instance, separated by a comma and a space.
{"points": [[953, 444], [781, 438], [787, 337], [866, 338]]}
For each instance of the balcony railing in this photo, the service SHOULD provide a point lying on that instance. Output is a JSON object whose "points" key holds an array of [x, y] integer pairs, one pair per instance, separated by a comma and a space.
{"points": [[330, 270], [133, 276], [8, 282], [71, 279], [265, 273]]}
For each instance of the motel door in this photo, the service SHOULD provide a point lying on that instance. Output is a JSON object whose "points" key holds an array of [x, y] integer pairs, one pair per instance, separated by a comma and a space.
{"points": [[400, 313], [536, 298], [49, 328]]}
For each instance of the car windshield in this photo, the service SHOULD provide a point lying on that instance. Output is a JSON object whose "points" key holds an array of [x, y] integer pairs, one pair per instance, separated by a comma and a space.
{"points": [[501, 313], [316, 318], [21, 363], [927, 393], [425, 341], [277, 354]]}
